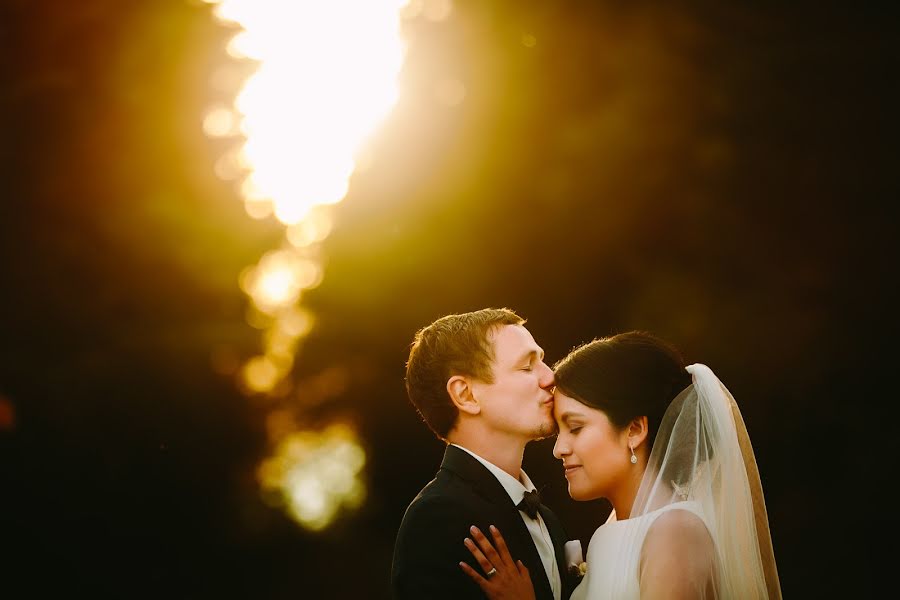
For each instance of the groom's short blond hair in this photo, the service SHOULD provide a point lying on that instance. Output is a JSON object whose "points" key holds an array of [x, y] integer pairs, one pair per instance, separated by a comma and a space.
{"points": [[452, 345]]}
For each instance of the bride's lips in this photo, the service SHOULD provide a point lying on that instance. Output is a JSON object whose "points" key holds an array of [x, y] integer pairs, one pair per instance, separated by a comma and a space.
{"points": [[570, 469]]}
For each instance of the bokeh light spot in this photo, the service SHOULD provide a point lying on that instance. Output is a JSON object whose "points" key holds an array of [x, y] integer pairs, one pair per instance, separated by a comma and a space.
{"points": [[7, 414], [316, 474], [219, 122], [260, 374]]}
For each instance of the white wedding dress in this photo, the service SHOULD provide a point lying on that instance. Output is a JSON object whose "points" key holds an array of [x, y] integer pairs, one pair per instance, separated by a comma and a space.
{"points": [[702, 462], [614, 556]]}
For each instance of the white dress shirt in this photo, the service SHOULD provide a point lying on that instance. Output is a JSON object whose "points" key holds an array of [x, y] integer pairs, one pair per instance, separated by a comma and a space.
{"points": [[536, 527]]}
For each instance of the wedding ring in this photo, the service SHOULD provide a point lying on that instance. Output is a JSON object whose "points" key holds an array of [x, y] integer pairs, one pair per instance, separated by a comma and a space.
{"points": [[491, 573]]}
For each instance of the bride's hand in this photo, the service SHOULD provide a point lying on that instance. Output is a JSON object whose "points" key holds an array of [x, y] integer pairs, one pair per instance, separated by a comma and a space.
{"points": [[509, 580]]}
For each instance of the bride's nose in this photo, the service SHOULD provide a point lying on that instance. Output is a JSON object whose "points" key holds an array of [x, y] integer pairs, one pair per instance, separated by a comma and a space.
{"points": [[561, 447]]}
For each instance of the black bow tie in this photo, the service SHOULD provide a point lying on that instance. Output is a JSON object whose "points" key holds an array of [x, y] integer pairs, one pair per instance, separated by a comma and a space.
{"points": [[530, 504]]}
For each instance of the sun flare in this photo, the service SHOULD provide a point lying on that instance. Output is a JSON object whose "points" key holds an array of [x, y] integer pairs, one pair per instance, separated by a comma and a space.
{"points": [[325, 78]]}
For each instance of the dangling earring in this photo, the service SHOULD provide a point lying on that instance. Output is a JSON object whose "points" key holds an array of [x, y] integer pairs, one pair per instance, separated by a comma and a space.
{"points": [[633, 457]]}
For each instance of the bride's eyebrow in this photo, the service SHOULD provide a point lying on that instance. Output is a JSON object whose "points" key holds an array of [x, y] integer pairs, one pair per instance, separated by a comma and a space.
{"points": [[568, 416]]}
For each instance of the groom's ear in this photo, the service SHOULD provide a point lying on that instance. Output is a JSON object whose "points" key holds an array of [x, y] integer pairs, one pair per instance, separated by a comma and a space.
{"points": [[461, 395]]}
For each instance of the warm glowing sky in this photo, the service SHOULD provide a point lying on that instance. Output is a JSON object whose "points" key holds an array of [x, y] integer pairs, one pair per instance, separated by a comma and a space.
{"points": [[710, 171]]}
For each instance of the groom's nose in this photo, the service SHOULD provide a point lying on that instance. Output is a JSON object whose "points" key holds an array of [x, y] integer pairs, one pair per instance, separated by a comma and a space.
{"points": [[547, 378]]}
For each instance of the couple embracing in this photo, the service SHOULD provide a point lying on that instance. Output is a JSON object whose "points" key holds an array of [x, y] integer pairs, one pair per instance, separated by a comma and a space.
{"points": [[663, 441]]}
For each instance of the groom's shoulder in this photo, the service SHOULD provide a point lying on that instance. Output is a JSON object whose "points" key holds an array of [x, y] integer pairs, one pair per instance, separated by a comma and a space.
{"points": [[443, 490], [445, 495], [442, 517]]}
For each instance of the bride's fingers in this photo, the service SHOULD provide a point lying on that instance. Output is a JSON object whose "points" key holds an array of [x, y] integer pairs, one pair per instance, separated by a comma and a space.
{"points": [[479, 555], [523, 570], [488, 548], [473, 574], [502, 548]]}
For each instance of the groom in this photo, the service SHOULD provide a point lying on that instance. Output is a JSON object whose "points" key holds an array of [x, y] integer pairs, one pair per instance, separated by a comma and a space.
{"points": [[479, 381]]}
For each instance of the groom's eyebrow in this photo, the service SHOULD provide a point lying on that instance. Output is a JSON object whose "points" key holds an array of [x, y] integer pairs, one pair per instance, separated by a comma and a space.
{"points": [[529, 356]]}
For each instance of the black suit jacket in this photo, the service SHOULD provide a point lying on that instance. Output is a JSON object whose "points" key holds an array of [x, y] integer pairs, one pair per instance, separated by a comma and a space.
{"points": [[429, 545]]}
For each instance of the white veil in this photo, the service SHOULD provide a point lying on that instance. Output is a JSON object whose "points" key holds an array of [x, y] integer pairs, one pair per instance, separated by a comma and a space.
{"points": [[702, 458]]}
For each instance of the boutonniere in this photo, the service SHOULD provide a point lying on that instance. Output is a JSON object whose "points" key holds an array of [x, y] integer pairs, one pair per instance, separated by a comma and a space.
{"points": [[574, 559]]}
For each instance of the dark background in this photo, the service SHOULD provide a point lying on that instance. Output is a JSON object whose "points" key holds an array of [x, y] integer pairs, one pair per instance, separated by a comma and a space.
{"points": [[723, 174]]}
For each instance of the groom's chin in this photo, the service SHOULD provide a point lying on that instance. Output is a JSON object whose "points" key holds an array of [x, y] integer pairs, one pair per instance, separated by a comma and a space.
{"points": [[545, 431]]}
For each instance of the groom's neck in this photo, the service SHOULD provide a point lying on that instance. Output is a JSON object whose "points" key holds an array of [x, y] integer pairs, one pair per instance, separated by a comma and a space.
{"points": [[496, 448]]}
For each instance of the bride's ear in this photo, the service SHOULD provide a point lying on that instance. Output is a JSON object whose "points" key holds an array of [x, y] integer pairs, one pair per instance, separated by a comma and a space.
{"points": [[637, 431], [461, 395]]}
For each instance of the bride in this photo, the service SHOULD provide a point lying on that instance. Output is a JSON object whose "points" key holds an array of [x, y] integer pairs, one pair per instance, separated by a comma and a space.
{"points": [[667, 446]]}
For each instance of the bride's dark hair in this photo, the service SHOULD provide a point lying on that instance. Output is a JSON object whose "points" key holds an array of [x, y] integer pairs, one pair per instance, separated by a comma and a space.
{"points": [[626, 376]]}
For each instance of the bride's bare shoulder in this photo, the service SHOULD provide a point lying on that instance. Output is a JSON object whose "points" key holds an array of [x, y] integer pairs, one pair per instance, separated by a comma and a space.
{"points": [[678, 526], [680, 536], [678, 556]]}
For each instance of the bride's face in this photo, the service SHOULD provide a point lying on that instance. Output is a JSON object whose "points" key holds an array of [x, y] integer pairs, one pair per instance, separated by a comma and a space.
{"points": [[594, 452]]}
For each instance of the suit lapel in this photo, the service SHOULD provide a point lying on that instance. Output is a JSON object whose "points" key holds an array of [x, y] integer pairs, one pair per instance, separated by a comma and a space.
{"points": [[521, 546], [558, 537], [510, 523]]}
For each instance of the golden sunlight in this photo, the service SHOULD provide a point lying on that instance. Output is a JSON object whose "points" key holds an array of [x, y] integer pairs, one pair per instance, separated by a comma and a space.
{"points": [[314, 228], [276, 282], [325, 77], [316, 474]]}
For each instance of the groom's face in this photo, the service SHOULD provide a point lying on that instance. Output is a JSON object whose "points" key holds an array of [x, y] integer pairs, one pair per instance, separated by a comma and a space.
{"points": [[519, 401]]}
